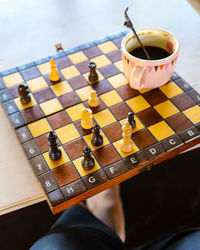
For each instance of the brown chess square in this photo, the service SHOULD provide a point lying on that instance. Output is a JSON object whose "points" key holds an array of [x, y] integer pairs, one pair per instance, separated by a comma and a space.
{"points": [[118, 41], [109, 70], [178, 122], [75, 148], [83, 67], [100, 107], [102, 87], [80, 129], [120, 110], [69, 99], [65, 174], [115, 55], [155, 97], [143, 138], [183, 102], [43, 143], [14, 91], [44, 95], [77, 82], [63, 62], [113, 132], [126, 92], [92, 52], [59, 119], [32, 114], [30, 73], [149, 116]]}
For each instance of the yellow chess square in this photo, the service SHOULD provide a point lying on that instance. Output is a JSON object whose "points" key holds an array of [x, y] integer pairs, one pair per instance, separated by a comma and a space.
{"points": [[81, 170], [111, 98], [101, 61], [144, 90], [161, 130], [171, 89], [78, 57], [138, 103], [70, 72], [13, 79], [193, 114], [117, 146], [107, 47], [100, 76], [44, 68], [25, 106], [37, 84], [84, 93], [39, 127], [118, 80], [166, 109], [119, 65], [67, 133], [88, 141], [138, 124], [104, 118], [51, 106], [61, 88], [74, 112], [53, 164]]}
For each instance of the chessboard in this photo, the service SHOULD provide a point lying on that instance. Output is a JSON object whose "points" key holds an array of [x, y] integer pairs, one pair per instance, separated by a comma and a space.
{"points": [[167, 120]]}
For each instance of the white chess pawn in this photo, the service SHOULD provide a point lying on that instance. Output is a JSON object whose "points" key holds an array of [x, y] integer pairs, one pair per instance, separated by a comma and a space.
{"points": [[86, 118], [54, 74], [93, 100], [126, 144]]}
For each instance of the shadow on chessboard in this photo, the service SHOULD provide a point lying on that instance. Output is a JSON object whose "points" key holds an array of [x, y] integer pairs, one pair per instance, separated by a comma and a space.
{"points": [[162, 201]]}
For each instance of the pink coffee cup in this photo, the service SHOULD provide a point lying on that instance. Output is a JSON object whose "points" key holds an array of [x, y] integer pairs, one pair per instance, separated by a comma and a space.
{"points": [[149, 73]]}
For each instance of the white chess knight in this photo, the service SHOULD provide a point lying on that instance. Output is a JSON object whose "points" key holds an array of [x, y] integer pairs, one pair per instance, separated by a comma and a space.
{"points": [[126, 144], [86, 118], [93, 100]]}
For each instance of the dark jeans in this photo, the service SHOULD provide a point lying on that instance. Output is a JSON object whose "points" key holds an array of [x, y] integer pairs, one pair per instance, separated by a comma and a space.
{"points": [[77, 228]]}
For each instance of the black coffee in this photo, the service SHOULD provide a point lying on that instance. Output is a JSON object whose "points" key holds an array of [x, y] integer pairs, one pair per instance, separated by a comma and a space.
{"points": [[155, 53]]}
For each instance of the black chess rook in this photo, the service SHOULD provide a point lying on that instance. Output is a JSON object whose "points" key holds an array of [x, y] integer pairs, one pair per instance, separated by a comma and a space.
{"points": [[24, 93], [93, 76], [131, 119], [54, 152], [96, 138], [87, 161]]}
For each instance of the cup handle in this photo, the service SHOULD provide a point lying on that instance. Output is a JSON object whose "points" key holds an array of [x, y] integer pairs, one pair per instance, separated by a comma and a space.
{"points": [[135, 77]]}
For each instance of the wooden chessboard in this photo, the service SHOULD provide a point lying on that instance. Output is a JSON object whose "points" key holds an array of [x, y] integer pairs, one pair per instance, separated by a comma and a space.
{"points": [[167, 120]]}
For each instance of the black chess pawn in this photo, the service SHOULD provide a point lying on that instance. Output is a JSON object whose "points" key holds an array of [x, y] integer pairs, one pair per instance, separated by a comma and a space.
{"points": [[54, 152], [87, 161], [131, 119], [93, 76], [24, 93], [96, 138]]}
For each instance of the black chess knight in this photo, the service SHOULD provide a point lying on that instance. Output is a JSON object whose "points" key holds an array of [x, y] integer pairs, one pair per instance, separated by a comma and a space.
{"points": [[87, 161], [24, 93], [54, 152], [96, 138]]}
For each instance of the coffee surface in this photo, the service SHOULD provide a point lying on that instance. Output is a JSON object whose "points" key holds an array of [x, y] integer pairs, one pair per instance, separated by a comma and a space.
{"points": [[155, 53]]}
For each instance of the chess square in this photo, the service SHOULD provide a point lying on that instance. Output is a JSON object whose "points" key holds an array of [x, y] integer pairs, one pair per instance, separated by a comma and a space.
{"points": [[63, 62], [102, 87], [78, 82], [126, 92], [115, 55], [118, 80], [138, 103], [42, 142], [25, 106], [61, 88], [39, 127], [30, 73], [59, 119], [109, 70], [83, 67], [111, 98], [107, 47], [81, 130], [119, 65], [166, 109], [171, 89], [51, 106], [113, 131], [32, 114], [100, 77], [44, 68], [87, 138], [107, 155], [70, 72], [81, 170], [178, 122], [44, 95], [118, 41], [12, 79], [67, 133], [143, 138], [74, 112], [104, 118], [69, 99], [65, 174], [117, 146], [193, 114], [78, 57], [183, 102], [92, 52], [120, 110], [37, 84], [161, 130], [138, 124], [155, 97], [14, 91], [149, 116], [101, 61], [53, 164], [84, 93], [75, 148]]}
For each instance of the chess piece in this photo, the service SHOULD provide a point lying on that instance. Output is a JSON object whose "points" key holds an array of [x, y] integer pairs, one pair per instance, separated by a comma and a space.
{"points": [[86, 118], [58, 47], [93, 99], [24, 93], [126, 144], [54, 74], [54, 152], [131, 119], [96, 138], [93, 76], [87, 161]]}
